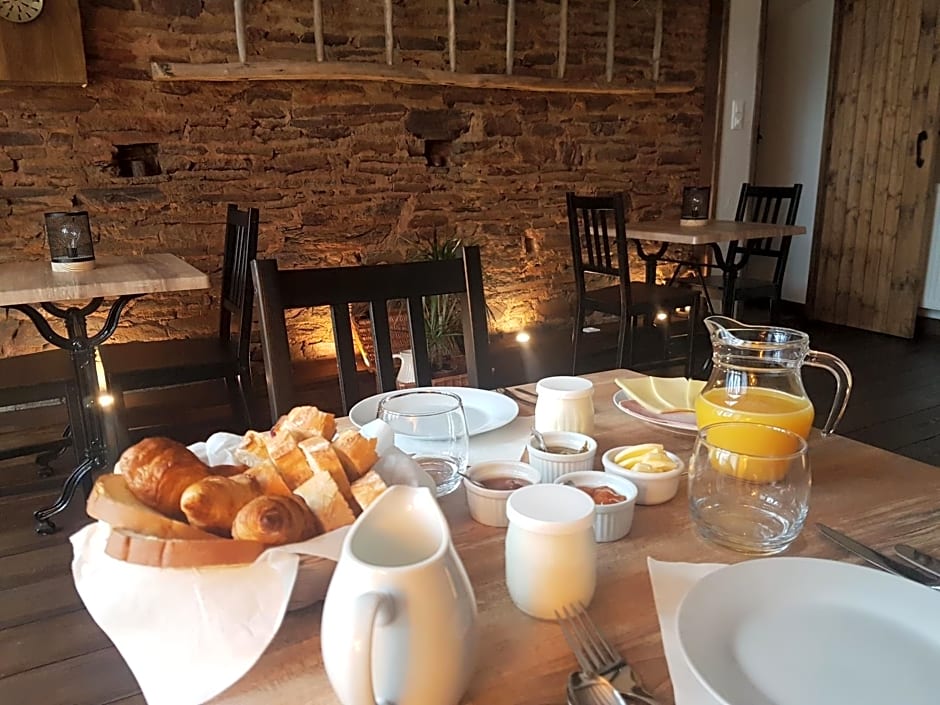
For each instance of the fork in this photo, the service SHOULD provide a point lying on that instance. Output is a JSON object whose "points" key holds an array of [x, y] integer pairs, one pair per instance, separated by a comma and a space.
{"points": [[596, 657], [592, 690]]}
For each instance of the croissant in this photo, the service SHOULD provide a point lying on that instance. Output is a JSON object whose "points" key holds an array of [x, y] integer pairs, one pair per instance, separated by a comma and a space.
{"points": [[274, 520], [212, 503], [158, 470]]}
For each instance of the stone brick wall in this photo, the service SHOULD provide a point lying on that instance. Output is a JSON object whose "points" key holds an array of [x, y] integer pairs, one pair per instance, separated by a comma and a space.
{"points": [[339, 169]]}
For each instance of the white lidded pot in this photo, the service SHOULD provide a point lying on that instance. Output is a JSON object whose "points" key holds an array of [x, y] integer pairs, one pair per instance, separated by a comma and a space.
{"points": [[399, 620]]}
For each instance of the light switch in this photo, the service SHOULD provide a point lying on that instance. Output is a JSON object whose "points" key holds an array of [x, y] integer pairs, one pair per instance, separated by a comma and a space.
{"points": [[737, 114]]}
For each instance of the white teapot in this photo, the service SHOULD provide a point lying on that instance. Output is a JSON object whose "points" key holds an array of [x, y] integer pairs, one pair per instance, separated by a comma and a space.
{"points": [[399, 620], [406, 373]]}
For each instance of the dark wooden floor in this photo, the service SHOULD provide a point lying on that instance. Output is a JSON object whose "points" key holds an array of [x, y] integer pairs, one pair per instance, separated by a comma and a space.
{"points": [[52, 653]]}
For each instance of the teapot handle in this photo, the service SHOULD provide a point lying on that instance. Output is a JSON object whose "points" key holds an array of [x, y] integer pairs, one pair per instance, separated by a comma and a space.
{"points": [[372, 608], [843, 376]]}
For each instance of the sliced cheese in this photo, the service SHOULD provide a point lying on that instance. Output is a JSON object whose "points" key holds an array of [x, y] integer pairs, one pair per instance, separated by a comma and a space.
{"points": [[663, 395], [672, 391], [640, 389]]}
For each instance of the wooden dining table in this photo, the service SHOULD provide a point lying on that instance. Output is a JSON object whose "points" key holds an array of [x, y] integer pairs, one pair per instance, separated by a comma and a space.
{"points": [[24, 285], [876, 496], [715, 234]]}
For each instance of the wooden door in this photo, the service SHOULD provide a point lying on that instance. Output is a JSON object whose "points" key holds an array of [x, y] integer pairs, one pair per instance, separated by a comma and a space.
{"points": [[880, 163]]}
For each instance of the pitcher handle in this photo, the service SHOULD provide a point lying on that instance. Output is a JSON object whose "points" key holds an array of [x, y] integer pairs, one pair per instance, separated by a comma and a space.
{"points": [[372, 608], [843, 376]]}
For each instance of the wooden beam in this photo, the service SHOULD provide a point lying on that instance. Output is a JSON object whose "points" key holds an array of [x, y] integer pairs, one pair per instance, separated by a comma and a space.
{"points": [[360, 71], [452, 33], [240, 39], [611, 25], [318, 28], [389, 37], [657, 39], [510, 35], [563, 39]]}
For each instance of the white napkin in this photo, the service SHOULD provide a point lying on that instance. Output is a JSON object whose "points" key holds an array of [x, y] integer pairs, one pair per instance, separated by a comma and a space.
{"points": [[187, 634], [671, 582], [506, 443]]}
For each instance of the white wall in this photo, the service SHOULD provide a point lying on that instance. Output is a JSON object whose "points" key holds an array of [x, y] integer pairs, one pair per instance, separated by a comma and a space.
{"points": [[931, 300], [741, 62], [793, 114]]}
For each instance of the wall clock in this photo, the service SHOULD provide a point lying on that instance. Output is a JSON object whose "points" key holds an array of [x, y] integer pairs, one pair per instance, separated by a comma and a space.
{"points": [[20, 11]]}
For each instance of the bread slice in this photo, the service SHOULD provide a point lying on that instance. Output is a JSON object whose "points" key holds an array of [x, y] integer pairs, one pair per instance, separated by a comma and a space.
{"points": [[326, 501], [252, 450], [368, 488], [112, 502], [269, 479], [305, 421], [322, 458], [289, 459], [356, 453], [125, 545]]}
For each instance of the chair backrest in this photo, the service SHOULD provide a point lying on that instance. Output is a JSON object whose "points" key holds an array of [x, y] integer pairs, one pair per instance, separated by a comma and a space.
{"points": [[338, 287], [766, 204], [241, 247], [597, 225]]}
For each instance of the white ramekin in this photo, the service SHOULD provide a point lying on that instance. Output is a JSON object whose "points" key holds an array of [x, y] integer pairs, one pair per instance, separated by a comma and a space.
{"points": [[652, 487], [489, 506], [553, 465], [611, 521]]}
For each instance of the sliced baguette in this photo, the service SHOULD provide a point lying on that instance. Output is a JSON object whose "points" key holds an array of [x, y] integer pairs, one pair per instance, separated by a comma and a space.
{"points": [[252, 450], [326, 502], [305, 421], [131, 547], [356, 453], [322, 458], [269, 479], [289, 459], [112, 502], [368, 488]]}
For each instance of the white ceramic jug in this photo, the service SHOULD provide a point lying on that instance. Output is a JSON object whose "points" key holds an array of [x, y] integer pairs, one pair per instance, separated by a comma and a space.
{"points": [[399, 620], [406, 373]]}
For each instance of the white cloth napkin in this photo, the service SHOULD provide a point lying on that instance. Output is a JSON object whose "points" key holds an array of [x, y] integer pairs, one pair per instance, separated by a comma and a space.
{"points": [[187, 634], [506, 443], [671, 582]]}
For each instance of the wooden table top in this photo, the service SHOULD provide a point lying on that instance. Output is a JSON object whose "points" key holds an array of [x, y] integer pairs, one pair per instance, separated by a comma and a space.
{"points": [[876, 496], [713, 232], [35, 282]]}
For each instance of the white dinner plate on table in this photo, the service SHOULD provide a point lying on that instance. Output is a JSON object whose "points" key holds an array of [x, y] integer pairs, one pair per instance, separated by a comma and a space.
{"points": [[806, 631], [485, 410], [682, 421]]}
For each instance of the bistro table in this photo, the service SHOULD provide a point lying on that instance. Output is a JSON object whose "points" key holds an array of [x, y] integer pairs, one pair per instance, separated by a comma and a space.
{"points": [[876, 496], [23, 284], [714, 234]]}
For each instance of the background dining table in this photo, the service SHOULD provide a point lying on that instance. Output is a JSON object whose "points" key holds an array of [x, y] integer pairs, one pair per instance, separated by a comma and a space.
{"points": [[878, 497], [23, 284], [714, 234]]}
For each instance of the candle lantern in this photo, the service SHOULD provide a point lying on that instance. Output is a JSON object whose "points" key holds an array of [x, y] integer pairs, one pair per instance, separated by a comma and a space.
{"points": [[695, 205], [70, 245]]}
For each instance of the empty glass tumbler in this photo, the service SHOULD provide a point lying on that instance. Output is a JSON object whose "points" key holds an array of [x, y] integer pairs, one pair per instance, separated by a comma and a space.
{"points": [[749, 486], [432, 428]]}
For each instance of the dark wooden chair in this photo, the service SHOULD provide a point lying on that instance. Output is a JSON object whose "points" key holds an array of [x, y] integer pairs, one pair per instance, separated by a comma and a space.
{"points": [[598, 229], [338, 287], [760, 204], [167, 363]]}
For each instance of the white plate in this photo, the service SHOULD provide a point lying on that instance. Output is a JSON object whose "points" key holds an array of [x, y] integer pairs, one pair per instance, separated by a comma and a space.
{"points": [[805, 631], [485, 410], [677, 421]]}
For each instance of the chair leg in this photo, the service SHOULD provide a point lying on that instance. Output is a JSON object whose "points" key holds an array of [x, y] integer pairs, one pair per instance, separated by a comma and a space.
{"points": [[708, 299], [576, 337], [692, 322], [775, 309], [237, 402], [45, 460]]}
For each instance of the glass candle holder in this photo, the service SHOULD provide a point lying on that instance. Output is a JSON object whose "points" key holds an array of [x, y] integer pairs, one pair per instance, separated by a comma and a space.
{"points": [[70, 245]]}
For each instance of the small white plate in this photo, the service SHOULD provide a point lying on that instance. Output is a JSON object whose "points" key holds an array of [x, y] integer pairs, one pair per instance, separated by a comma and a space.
{"points": [[806, 631], [485, 410], [683, 421]]}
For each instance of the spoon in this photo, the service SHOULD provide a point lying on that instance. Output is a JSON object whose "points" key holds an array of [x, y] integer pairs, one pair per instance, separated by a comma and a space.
{"points": [[540, 443], [475, 482], [585, 689]]}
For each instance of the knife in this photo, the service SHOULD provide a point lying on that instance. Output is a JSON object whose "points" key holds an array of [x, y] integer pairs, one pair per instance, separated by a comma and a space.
{"points": [[919, 559], [878, 559]]}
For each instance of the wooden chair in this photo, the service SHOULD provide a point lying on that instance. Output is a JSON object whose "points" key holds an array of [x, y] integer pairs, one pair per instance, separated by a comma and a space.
{"points": [[167, 363], [761, 204], [598, 229], [338, 287]]}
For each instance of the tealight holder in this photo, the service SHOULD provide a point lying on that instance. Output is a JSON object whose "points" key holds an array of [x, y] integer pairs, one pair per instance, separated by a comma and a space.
{"points": [[695, 200], [70, 245]]}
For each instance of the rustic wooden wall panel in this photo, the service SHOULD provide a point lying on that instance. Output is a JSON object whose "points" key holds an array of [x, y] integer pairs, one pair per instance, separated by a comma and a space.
{"points": [[338, 169], [47, 50], [874, 234]]}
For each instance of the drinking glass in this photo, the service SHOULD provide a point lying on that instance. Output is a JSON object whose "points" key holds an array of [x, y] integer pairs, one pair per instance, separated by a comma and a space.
{"points": [[749, 486], [431, 427]]}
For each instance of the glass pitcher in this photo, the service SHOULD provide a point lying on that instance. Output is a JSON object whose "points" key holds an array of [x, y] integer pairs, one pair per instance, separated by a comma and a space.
{"points": [[756, 377]]}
